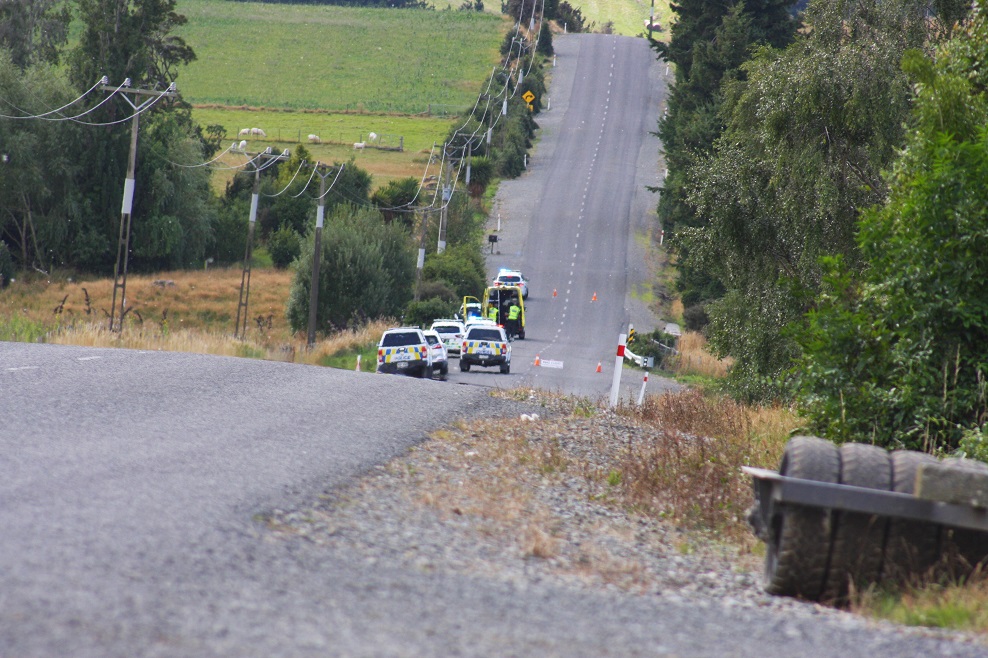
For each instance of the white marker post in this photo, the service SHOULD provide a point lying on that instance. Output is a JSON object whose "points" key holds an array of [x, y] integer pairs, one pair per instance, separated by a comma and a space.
{"points": [[618, 366], [641, 394]]}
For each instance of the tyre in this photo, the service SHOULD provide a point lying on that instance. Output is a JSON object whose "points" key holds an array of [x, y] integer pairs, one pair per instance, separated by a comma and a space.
{"points": [[444, 373], [426, 372], [858, 539], [798, 548], [965, 549], [464, 367], [505, 369], [913, 547]]}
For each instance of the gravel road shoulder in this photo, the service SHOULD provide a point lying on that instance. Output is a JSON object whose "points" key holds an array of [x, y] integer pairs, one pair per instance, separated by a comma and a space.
{"points": [[526, 500]]}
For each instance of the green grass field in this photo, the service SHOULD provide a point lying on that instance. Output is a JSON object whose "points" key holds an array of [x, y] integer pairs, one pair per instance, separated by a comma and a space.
{"points": [[336, 58]]}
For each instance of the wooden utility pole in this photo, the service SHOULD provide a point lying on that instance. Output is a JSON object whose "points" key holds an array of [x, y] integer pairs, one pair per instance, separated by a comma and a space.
{"points": [[316, 255], [240, 330], [123, 240]]}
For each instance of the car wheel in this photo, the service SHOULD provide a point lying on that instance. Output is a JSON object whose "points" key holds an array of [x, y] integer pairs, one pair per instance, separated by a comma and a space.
{"points": [[798, 545], [505, 369], [444, 372], [426, 372], [464, 367]]}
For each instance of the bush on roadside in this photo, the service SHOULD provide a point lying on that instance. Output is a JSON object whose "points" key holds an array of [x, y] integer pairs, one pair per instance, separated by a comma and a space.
{"points": [[284, 245], [424, 312], [6, 265]]}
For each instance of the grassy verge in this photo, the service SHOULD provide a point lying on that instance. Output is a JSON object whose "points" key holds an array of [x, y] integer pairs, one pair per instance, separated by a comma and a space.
{"points": [[186, 311]]}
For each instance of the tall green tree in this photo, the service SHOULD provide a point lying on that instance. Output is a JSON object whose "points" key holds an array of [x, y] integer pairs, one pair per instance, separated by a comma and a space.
{"points": [[130, 39], [807, 135], [709, 41], [899, 354], [39, 203], [34, 30]]}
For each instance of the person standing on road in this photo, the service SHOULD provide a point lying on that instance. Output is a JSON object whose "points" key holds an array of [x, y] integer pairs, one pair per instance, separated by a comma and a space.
{"points": [[492, 312], [514, 313]]}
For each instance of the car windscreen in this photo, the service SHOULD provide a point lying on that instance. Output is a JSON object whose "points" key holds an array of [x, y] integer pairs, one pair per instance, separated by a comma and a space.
{"points": [[400, 339], [484, 334], [446, 330], [432, 340], [510, 279]]}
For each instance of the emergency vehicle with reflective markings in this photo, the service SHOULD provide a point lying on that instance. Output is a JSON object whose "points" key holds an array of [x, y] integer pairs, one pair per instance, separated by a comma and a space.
{"points": [[405, 351], [486, 345]]}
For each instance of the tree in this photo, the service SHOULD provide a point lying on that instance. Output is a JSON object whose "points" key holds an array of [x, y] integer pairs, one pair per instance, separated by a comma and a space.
{"points": [[394, 200], [33, 30], [709, 42], [366, 271], [39, 204], [131, 39], [897, 354], [807, 133]]}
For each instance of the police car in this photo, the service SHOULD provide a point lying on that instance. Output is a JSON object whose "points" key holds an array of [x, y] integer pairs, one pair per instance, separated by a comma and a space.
{"points": [[405, 350], [451, 331], [485, 345], [507, 277], [440, 361]]}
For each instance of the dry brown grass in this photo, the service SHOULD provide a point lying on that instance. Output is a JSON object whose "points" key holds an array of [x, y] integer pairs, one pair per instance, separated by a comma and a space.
{"points": [[182, 311], [693, 358], [689, 467]]}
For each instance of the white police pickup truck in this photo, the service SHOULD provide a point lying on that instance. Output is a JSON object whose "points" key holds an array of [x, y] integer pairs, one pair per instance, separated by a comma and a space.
{"points": [[405, 351], [485, 345]]}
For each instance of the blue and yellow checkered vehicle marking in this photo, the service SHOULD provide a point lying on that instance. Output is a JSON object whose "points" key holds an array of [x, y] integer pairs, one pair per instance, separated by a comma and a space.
{"points": [[494, 349], [395, 354]]}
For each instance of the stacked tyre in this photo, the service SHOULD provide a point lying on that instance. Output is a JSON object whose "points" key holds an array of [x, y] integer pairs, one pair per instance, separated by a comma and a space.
{"points": [[820, 554]]}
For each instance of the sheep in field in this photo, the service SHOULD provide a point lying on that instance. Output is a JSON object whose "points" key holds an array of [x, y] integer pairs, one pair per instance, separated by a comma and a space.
{"points": [[314, 139], [359, 145], [258, 131], [244, 132], [372, 137]]}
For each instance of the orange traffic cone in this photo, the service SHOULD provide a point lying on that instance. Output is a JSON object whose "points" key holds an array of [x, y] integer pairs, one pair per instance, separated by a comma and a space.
{"points": [[554, 292], [599, 369], [594, 298], [538, 361]]}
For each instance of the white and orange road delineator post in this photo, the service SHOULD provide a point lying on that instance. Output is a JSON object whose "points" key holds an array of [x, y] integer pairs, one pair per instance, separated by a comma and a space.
{"points": [[618, 366], [641, 394]]}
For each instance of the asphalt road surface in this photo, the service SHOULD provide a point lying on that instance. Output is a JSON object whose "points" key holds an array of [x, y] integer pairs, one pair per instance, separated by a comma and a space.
{"points": [[576, 221], [134, 484]]}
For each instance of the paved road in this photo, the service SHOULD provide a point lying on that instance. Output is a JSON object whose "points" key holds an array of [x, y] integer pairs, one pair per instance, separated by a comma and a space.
{"points": [[576, 221], [132, 491]]}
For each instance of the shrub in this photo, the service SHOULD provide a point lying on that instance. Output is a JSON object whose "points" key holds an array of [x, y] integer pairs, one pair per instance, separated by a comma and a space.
{"points": [[695, 317], [6, 265], [424, 312], [461, 266], [284, 245]]}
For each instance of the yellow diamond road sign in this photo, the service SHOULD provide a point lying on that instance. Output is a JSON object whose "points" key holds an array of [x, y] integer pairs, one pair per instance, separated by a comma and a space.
{"points": [[528, 97]]}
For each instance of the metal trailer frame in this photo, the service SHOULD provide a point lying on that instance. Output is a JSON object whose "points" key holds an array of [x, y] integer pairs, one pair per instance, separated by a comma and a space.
{"points": [[773, 489]]}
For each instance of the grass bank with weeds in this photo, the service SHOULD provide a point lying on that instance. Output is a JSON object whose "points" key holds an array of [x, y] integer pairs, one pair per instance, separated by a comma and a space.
{"points": [[181, 311]]}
